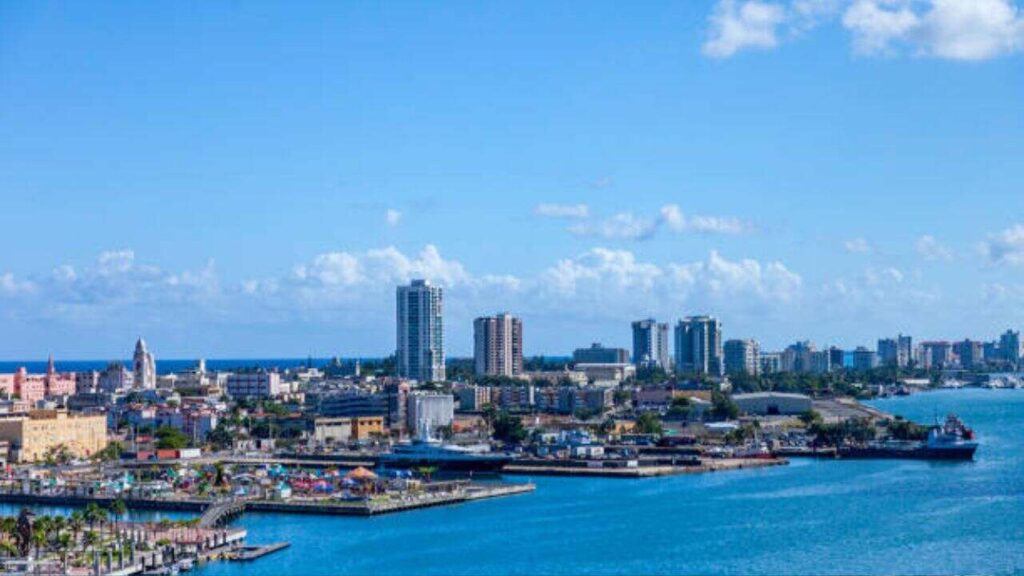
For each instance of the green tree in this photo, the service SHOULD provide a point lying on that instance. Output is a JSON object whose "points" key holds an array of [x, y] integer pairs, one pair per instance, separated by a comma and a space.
{"points": [[649, 423], [169, 438], [723, 407], [508, 428]]}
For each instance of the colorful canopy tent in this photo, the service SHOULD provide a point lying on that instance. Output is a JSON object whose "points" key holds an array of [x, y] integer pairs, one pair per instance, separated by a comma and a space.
{"points": [[361, 474]]}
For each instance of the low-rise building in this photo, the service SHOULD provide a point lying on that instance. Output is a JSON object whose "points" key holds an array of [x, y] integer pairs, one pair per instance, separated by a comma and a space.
{"points": [[254, 385], [31, 436], [769, 403]]}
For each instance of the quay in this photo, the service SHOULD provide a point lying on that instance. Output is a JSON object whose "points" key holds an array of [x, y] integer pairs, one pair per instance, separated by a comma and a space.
{"points": [[218, 512], [556, 468]]}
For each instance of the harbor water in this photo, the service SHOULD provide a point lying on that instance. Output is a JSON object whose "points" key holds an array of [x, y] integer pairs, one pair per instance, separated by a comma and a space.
{"points": [[811, 517]]}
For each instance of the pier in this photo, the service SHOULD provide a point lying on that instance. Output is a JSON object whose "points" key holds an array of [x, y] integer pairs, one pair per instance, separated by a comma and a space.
{"points": [[562, 468]]}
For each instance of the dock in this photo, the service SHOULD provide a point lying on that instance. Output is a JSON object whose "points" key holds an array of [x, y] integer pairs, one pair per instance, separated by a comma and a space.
{"points": [[250, 553], [554, 468]]}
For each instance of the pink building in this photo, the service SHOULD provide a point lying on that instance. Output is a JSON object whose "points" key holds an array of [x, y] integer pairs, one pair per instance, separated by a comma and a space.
{"points": [[34, 387]]}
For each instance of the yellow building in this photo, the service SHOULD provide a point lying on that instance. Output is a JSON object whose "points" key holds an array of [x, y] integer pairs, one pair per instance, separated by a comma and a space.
{"points": [[365, 426], [31, 437]]}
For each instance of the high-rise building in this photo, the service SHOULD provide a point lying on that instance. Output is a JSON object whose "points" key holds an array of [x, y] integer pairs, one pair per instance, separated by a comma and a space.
{"points": [[498, 346], [143, 366], [969, 352], [650, 344], [864, 359], [769, 362], [699, 346], [797, 357], [836, 358], [904, 350], [420, 332], [896, 351], [598, 354], [936, 354], [741, 356], [1009, 344]]}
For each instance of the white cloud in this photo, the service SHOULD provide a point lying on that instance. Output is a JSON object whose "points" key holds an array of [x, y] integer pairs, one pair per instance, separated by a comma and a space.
{"points": [[857, 246], [628, 226], [11, 286], [624, 225], [949, 29], [953, 29], [930, 248], [1006, 247], [737, 26], [876, 24], [392, 216], [562, 210]]}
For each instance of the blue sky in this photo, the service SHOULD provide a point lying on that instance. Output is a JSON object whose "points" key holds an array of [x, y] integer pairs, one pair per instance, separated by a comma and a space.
{"points": [[252, 179]]}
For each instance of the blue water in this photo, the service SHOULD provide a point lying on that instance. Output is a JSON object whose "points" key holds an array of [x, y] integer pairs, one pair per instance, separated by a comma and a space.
{"points": [[812, 517]]}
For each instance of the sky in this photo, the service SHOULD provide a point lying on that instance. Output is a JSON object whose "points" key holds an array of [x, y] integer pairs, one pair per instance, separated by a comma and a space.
{"points": [[249, 179]]}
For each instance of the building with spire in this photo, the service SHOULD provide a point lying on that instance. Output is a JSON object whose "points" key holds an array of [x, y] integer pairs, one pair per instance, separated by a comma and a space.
{"points": [[143, 367]]}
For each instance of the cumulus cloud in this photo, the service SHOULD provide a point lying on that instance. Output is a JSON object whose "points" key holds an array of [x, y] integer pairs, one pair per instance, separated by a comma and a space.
{"points": [[562, 210], [392, 216], [949, 29], [1006, 247], [624, 225], [11, 286], [857, 246], [929, 248], [734, 26], [672, 216], [629, 226]]}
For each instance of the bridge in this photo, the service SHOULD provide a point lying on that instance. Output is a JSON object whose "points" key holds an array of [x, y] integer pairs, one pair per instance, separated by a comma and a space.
{"points": [[221, 512]]}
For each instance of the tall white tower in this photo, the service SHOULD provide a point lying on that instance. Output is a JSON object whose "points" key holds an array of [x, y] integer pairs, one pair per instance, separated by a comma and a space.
{"points": [[143, 367], [420, 332]]}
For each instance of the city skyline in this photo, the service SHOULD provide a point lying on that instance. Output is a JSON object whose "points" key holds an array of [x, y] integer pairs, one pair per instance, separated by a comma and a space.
{"points": [[798, 170]]}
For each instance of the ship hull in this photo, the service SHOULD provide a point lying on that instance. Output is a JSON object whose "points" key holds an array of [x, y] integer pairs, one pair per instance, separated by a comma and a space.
{"points": [[923, 453]]}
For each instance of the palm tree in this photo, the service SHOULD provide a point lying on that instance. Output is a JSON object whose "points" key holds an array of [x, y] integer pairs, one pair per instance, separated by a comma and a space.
{"points": [[118, 509], [76, 524], [64, 544], [39, 536]]}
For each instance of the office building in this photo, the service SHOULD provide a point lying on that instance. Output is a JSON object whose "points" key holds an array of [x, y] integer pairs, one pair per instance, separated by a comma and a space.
{"points": [[969, 353], [420, 331], [741, 356], [864, 359], [498, 346], [598, 354], [256, 385], [1009, 345], [699, 346], [650, 344], [770, 362]]}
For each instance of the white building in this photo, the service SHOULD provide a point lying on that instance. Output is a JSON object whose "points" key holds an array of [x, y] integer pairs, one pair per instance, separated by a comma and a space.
{"points": [[420, 332], [254, 385], [115, 378], [433, 410]]}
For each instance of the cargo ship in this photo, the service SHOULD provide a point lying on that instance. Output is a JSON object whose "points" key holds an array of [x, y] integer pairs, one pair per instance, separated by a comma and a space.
{"points": [[951, 440]]}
